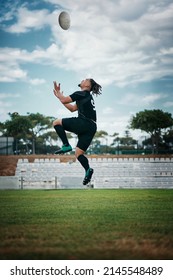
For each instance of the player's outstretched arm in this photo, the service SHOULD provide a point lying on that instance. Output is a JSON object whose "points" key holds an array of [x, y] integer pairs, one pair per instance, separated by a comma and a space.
{"points": [[59, 94], [65, 100], [62, 98]]}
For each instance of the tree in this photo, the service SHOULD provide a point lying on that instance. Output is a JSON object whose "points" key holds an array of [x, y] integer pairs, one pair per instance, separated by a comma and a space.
{"points": [[100, 135], [115, 138], [18, 127], [168, 139], [126, 142], [152, 122], [116, 141], [39, 125], [26, 129]]}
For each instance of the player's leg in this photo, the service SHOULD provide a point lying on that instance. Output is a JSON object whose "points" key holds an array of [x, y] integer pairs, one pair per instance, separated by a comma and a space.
{"points": [[62, 135], [75, 125], [85, 163], [84, 141], [85, 131]]}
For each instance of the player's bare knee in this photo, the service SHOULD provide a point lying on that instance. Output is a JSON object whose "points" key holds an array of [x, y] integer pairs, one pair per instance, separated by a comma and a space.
{"points": [[57, 122], [78, 152]]}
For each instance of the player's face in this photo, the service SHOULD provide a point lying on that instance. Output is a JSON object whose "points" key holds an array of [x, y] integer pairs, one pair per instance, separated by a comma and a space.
{"points": [[85, 83]]}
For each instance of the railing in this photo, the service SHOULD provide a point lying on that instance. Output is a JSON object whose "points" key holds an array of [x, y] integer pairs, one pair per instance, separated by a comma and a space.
{"points": [[122, 172]]}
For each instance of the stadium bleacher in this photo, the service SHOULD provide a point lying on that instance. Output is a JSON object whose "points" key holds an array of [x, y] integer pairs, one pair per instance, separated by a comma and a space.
{"points": [[108, 173]]}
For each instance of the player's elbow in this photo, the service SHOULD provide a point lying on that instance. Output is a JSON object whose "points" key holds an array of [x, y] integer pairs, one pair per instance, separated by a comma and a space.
{"points": [[72, 109], [66, 100], [63, 101]]}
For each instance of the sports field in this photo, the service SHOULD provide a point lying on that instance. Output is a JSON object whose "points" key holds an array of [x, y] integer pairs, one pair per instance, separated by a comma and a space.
{"points": [[86, 224]]}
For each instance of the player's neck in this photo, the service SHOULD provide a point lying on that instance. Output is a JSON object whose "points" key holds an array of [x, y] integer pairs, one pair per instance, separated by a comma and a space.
{"points": [[85, 88]]}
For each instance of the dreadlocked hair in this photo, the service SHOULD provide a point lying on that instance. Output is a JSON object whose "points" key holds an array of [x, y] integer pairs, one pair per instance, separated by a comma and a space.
{"points": [[95, 88]]}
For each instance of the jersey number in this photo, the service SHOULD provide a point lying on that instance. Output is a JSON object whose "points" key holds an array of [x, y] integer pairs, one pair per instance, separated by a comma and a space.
{"points": [[93, 104]]}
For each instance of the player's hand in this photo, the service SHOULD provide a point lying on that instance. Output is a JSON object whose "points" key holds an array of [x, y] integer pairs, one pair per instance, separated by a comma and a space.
{"points": [[58, 94], [56, 87]]}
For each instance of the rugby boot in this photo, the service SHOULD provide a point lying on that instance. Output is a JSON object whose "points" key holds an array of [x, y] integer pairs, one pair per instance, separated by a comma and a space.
{"points": [[63, 150], [88, 176]]}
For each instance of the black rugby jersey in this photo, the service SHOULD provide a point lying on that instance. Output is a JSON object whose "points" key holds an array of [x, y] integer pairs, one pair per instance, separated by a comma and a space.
{"points": [[85, 104]]}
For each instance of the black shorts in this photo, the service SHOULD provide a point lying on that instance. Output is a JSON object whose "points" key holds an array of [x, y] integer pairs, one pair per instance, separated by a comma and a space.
{"points": [[83, 128]]}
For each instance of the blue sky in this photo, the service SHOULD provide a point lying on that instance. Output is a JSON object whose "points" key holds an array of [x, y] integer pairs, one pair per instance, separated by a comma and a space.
{"points": [[125, 45]]}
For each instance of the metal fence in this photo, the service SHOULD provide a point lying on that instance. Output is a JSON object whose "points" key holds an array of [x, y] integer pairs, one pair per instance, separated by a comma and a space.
{"points": [[6, 145]]}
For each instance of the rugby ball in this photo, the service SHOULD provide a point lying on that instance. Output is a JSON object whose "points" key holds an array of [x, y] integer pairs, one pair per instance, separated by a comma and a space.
{"points": [[64, 20]]}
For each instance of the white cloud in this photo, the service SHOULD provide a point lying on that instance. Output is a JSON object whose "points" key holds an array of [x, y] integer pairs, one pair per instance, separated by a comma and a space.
{"points": [[151, 98], [36, 82], [11, 72], [64, 113], [8, 95], [117, 42], [168, 104], [28, 20], [6, 103], [4, 108], [114, 124], [125, 44], [108, 111], [121, 45], [166, 51], [145, 100], [11, 60]]}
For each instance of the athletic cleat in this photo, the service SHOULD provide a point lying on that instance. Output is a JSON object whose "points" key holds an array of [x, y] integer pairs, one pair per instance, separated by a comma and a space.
{"points": [[63, 150], [88, 176]]}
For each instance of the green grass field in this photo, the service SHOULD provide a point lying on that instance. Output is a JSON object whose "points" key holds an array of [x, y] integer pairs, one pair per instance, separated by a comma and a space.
{"points": [[86, 224]]}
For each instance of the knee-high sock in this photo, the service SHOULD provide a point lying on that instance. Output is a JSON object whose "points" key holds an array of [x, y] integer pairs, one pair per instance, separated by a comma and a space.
{"points": [[84, 162], [61, 133]]}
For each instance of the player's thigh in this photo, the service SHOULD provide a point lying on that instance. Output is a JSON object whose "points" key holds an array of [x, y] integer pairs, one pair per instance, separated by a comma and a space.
{"points": [[75, 125], [85, 139]]}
